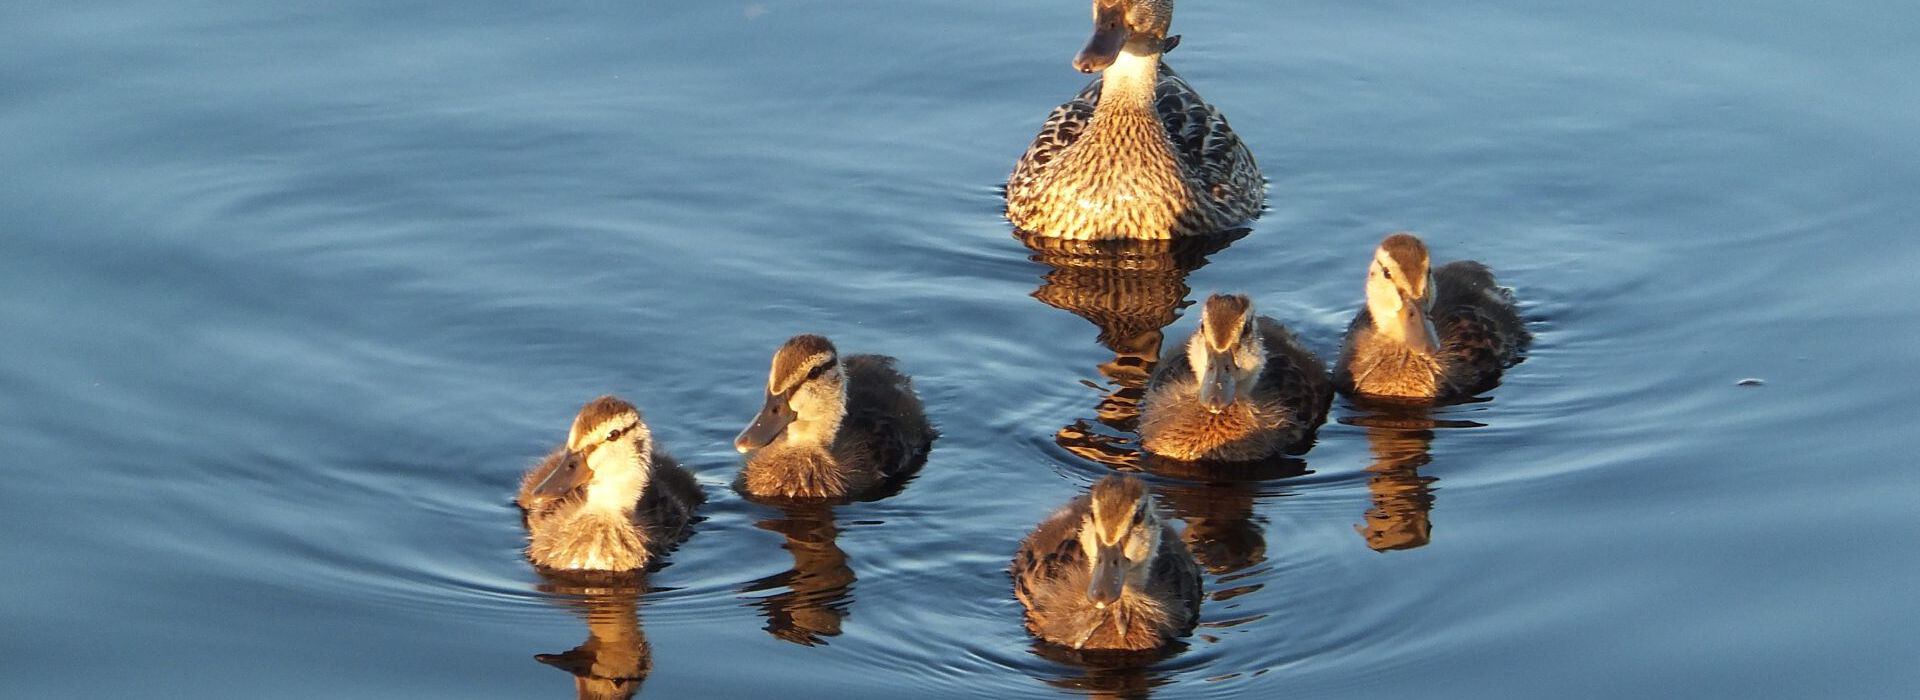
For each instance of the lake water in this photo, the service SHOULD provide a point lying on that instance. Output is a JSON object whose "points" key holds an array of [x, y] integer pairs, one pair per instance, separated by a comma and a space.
{"points": [[291, 295]]}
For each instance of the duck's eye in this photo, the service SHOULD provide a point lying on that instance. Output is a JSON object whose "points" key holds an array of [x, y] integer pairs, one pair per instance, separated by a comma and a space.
{"points": [[1384, 272]]}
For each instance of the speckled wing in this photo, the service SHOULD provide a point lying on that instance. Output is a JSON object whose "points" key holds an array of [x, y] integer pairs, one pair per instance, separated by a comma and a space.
{"points": [[668, 504], [1049, 552], [883, 406], [1172, 367], [1202, 138], [1176, 569], [1062, 129], [1480, 326], [1297, 375]]}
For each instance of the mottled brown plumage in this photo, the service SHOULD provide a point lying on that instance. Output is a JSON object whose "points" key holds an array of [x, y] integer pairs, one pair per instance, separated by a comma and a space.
{"points": [[1137, 154], [1066, 570], [1235, 393], [609, 500], [1444, 335], [833, 427]]}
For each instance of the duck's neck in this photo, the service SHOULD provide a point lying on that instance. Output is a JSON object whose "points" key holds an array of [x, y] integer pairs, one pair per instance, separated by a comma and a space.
{"points": [[620, 474], [1126, 88]]}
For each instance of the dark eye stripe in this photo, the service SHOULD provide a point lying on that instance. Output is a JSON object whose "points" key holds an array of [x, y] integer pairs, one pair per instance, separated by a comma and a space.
{"points": [[822, 368], [615, 435]]}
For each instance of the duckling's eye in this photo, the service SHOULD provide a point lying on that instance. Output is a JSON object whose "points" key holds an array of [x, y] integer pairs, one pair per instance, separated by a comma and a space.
{"points": [[1384, 272]]}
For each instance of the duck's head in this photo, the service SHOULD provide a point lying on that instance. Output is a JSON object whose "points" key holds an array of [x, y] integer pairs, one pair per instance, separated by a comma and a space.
{"points": [[1120, 537], [806, 396], [609, 453], [1400, 293], [1134, 26], [1226, 352]]}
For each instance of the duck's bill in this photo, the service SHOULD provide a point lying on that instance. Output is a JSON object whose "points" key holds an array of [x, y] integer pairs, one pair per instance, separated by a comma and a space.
{"points": [[1109, 37], [1109, 576], [566, 476], [1216, 384], [773, 420], [1417, 328]]}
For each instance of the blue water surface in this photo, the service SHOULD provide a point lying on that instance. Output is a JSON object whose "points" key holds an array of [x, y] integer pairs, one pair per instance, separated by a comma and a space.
{"points": [[292, 294]]}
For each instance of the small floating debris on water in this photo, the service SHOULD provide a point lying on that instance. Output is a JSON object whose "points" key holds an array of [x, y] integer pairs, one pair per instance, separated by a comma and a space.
{"points": [[1750, 381]]}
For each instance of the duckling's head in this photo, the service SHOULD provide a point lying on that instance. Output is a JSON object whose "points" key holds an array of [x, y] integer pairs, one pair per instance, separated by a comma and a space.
{"points": [[609, 453], [1120, 537], [1226, 352], [1138, 27], [806, 396], [1400, 293]]}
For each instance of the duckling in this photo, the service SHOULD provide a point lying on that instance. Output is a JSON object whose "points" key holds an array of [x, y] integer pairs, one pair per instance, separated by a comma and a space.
{"points": [[1137, 154], [608, 501], [833, 429], [1440, 335], [1105, 572], [1243, 388]]}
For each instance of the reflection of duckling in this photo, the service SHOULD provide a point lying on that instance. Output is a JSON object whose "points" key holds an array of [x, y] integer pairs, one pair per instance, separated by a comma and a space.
{"points": [[1243, 388], [820, 584], [1103, 674], [615, 659], [608, 501], [1400, 437], [832, 428], [1104, 572], [1137, 154], [1445, 334]]}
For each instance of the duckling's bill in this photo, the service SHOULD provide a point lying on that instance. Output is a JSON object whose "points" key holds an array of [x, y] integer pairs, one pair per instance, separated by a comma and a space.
{"points": [[1216, 383], [570, 474], [1109, 576], [773, 419]]}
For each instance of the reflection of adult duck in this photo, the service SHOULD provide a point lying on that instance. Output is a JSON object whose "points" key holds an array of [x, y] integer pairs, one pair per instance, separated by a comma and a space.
{"points": [[1137, 154], [820, 584], [615, 659], [833, 427], [609, 500], [1130, 290]]}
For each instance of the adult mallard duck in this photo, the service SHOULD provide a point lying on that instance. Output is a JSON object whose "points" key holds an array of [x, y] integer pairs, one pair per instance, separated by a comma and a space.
{"points": [[1137, 154], [833, 427], [1242, 388], [1105, 572], [609, 500], [1441, 334]]}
